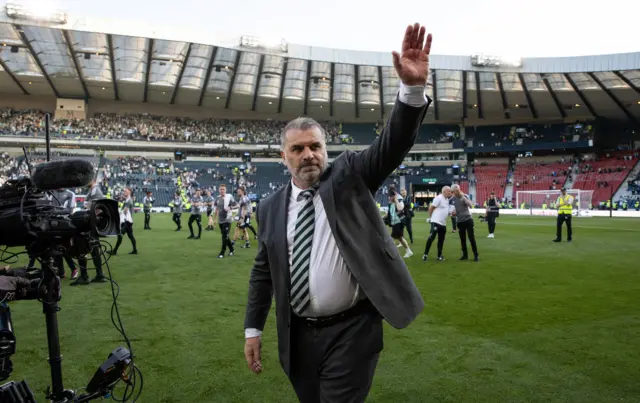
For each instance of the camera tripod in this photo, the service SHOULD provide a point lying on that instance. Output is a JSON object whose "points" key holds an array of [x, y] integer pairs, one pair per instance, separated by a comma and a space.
{"points": [[48, 293]]}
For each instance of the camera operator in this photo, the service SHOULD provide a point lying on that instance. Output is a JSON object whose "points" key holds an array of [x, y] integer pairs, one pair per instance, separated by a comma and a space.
{"points": [[94, 194], [126, 218], [67, 199]]}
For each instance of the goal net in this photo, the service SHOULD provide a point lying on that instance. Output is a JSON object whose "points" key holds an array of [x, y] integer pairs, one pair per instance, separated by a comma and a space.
{"points": [[543, 202]]}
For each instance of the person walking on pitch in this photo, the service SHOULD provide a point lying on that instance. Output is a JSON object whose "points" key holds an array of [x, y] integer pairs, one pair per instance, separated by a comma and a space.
{"points": [[126, 221], [323, 253], [176, 206], [462, 204], [439, 211], [222, 215], [196, 203], [147, 203], [493, 208], [208, 201]]}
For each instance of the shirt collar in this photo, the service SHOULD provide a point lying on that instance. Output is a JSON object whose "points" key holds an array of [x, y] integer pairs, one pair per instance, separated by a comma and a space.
{"points": [[295, 191]]}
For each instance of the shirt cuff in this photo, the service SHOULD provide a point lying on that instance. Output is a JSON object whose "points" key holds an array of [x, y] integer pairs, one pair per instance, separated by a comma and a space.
{"points": [[250, 332], [413, 95]]}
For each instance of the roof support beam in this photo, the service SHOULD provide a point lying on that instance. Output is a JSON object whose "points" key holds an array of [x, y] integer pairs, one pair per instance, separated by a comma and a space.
{"points": [[532, 107], [72, 53], [182, 68], [284, 77], [13, 77], [112, 63], [616, 100], [464, 96], [356, 91], [37, 60], [505, 105], [306, 90], [627, 81], [436, 109], [258, 82], [332, 87], [381, 90], [563, 113], [581, 95], [479, 96], [227, 101], [207, 76], [148, 73]]}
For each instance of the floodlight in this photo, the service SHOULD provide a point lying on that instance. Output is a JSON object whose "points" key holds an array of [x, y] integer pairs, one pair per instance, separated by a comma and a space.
{"points": [[37, 11]]}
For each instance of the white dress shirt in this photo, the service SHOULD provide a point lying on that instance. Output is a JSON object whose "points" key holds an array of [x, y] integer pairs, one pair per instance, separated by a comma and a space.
{"points": [[332, 287]]}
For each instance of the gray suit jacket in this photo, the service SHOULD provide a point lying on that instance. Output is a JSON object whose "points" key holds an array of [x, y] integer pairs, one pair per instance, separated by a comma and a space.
{"points": [[346, 189]]}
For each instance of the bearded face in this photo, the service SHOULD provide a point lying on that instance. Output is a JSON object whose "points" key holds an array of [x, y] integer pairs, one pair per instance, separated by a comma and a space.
{"points": [[305, 154]]}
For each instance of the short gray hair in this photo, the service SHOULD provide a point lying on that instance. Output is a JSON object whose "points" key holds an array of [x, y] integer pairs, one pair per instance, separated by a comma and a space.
{"points": [[455, 187], [302, 124], [445, 188]]}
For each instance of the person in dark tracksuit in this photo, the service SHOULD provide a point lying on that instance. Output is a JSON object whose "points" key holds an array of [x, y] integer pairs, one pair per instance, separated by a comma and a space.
{"points": [[408, 214], [196, 203], [465, 222], [222, 215], [493, 208], [147, 203]]}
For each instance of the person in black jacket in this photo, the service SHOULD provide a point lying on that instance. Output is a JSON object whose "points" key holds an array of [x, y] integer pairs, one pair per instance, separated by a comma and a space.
{"points": [[493, 208], [408, 214]]}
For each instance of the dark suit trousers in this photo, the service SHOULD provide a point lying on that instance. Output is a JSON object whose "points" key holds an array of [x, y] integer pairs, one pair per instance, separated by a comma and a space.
{"points": [[466, 228], [335, 364]]}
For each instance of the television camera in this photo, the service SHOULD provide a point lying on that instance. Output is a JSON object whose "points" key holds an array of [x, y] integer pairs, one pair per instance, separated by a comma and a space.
{"points": [[32, 217]]}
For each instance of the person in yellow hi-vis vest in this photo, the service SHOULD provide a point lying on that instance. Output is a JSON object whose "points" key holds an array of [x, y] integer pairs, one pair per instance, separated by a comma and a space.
{"points": [[565, 209]]}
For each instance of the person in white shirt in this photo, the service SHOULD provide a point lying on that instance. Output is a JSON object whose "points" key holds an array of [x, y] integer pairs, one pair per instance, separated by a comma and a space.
{"points": [[126, 221], [439, 211], [324, 252]]}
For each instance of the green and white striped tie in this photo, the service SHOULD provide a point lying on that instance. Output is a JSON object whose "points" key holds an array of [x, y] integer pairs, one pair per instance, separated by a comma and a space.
{"points": [[302, 243]]}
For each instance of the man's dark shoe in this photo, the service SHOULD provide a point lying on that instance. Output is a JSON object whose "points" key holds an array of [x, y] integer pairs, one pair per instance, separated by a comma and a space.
{"points": [[99, 279], [81, 281]]}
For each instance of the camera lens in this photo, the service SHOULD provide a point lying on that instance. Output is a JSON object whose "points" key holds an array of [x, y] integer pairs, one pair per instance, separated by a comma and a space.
{"points": [[103, 220]]}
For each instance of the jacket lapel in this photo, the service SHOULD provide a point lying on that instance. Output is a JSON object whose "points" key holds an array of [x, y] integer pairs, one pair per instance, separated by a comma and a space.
{"points": [[280, 239]]}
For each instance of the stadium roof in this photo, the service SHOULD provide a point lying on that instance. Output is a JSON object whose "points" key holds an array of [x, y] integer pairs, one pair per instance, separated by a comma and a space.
{"points": [[69, 60]]}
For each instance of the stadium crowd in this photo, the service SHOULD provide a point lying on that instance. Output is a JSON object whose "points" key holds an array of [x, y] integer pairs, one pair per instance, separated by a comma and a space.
{"points": [[149, 127]]}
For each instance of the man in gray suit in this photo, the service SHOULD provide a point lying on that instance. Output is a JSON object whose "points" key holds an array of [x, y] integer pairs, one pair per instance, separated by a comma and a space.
{"points": [[325, 253]]}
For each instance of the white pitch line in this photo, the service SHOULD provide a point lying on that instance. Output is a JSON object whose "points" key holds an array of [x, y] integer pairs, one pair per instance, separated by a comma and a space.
{"points": [[574, 226]]}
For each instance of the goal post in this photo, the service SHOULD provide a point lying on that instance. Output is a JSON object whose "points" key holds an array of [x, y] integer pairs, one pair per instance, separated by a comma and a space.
{"points": [[543, 202]]}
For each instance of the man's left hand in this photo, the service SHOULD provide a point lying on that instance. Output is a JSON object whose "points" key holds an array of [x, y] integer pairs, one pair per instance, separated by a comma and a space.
{"points": [[412, 64]]}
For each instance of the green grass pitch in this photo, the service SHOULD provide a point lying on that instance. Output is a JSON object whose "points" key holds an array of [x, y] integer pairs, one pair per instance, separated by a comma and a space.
{"points": [[533, 321]]}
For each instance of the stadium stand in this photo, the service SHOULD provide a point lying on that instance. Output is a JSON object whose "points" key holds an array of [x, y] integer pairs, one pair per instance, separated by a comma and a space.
{"points": [[530, 175], [604, 175], [527, 134], [490, 178]]}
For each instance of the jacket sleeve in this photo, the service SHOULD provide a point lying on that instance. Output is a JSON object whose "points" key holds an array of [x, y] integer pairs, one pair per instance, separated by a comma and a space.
{"points": [[377, 162], [260, 285]]}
